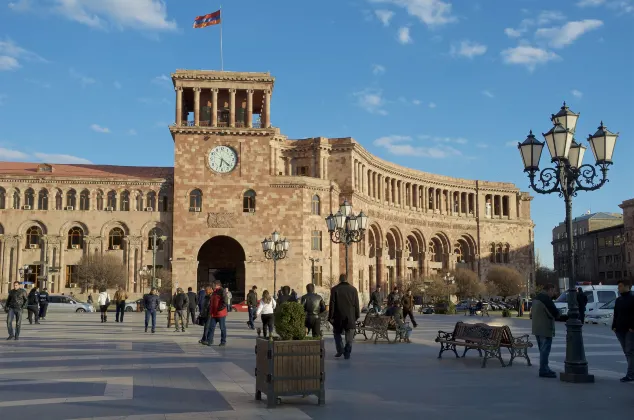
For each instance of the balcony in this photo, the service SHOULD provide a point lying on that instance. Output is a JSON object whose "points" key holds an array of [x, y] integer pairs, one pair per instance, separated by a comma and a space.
{"points": [[221, 124]]}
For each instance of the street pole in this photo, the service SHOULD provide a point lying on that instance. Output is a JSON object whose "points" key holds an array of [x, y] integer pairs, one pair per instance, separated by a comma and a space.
{"points": [[274, 275], [313, 261], [346, 228], [154, 259], [275, 248]]}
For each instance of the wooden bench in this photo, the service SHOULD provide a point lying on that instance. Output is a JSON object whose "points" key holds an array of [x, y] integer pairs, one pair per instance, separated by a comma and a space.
{"points": [[481, 337], [517, 346], [376, 324]]}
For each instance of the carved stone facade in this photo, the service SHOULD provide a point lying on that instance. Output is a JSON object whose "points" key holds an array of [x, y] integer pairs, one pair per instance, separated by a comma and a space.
{"points": [[628, 222], [420, 223]]}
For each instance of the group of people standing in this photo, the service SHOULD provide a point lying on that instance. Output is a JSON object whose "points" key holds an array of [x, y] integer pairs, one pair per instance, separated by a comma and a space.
{"points": [[35, 302]]}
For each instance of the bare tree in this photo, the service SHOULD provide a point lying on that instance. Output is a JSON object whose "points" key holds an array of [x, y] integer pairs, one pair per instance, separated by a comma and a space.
{"points": [[329, 282], [99, 271], [467, 283], [507, 280], [438, 288], [415, 284], [491, 289]]}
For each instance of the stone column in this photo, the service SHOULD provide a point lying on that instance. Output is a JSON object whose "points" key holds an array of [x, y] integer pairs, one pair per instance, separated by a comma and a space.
{"points": [[232, 107], [179, 105], [196, 106], [250, 108], [267, 106], [214, 107]]}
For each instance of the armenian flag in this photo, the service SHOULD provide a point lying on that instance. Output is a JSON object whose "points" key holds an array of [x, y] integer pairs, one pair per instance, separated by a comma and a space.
{"points": [[207, 20]]}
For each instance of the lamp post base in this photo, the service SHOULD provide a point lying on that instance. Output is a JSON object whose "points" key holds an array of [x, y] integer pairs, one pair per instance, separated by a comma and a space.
{"points": [[576, 378]]}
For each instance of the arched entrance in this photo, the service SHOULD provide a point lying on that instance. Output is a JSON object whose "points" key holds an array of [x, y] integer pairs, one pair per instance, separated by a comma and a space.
{"points": [[222, 258]]}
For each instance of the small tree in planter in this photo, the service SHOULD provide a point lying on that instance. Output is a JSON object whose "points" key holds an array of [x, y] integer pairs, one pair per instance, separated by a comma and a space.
{"points": [[291, 364]]}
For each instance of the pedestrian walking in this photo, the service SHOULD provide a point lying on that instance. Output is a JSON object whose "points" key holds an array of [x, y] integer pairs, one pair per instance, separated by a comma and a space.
{"points": [[623, 326], [376, 300], [17, 300], [544, 314], [399, 322], [582, 301], [343, 314], [217, 315], [407, 303], [33, 305], [284, 296], [192, 298], [180, 303], [201, 297], [43, 303], [252, 305], [313, 306], [205, 310], [394, 296], [266, 312], [520, 306], [103, 300], [229, 299], [151, 303], [120, 297]]}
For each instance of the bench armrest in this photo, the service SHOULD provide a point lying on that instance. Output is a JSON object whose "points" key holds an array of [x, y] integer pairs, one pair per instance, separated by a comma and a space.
{"points": [[523, 340], [443, 335]]}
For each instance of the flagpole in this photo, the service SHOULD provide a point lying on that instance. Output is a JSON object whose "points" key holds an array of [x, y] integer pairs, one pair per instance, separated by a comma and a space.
{"points": [[222, 65]]}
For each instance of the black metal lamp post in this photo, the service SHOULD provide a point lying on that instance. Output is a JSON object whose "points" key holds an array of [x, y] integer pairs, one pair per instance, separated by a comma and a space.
{"points": [[155, 247], [275, 249], [346, 228], [313, 261], [566, 178]]}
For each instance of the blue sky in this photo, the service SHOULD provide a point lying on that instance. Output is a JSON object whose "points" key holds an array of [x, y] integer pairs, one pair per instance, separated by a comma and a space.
{"points": [[443, 86]]}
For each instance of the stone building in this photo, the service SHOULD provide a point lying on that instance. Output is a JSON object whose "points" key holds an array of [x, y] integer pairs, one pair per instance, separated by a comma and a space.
{"points": [[235, 180], [628, 226], [599, 248]]}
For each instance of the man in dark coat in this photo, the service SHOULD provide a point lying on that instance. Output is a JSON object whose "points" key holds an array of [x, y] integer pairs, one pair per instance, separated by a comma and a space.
{"points": [[252, 305], [313, 306], [343, 314], [192, 298], [623, 326], [14, 307], [33, 305], [285, 296], [376, 300], [180, 303], [43, 303], [582, 301], [408, 307]]}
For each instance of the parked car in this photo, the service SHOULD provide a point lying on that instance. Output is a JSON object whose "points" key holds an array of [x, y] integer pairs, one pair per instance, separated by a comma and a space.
{"points": [[597, 297], [131, 306], [242, 306], [62, 303], [602, 315]]}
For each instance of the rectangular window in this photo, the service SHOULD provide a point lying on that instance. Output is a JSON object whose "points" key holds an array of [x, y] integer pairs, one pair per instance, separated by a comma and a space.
{"points": [[360, 280], [601, 242], [605, 296], [71, 275], [601, 275], [609, 241], [610, 275], [315, 242], [600, 260], [318, 276], [618, 240], [608, 259], [302, 170], [590, 295]]}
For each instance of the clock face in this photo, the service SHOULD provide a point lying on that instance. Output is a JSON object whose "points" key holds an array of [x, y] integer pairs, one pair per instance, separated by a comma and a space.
{"points": [[222, 159]]}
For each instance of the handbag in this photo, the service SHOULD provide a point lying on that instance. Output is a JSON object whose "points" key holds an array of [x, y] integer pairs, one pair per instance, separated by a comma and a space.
{"points": [[107, 301]]}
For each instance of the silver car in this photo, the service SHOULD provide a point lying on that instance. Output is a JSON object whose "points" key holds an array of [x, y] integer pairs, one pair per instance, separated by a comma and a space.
{"points": [[60, 303]]}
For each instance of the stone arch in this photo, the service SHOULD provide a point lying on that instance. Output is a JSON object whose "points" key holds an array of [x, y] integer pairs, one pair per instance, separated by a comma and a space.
{"points": [[439, 253], [374, 239], [105, 229], [63, 231], [147, 227], [27, 224], [222, 258]]}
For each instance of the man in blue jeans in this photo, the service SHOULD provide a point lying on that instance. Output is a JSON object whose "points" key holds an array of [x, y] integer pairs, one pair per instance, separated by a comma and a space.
{"points": [[623, 326], [14, 306], [252, 305], [544, 314], [151, 303], [217, 315]]}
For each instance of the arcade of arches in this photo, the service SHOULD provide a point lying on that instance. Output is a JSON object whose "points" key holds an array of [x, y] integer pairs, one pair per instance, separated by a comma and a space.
{"points": [[394, 256], [222, 258]]}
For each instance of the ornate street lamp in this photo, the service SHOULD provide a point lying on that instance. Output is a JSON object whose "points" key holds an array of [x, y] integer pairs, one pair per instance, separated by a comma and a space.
{"points": [[346, 228], [155, 247], [275, 248], [566, 178]]}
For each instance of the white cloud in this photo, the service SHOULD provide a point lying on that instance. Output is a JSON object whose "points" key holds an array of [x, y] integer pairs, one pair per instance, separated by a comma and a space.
{"points": [[11, 54], [385, 16], [61, 158], [430, 12], [377, 69], [416, 101], [371, 100], [132, 132], [83, 80], [120, 14], [99, 129], [162, 80], [403, 35], [8, 154], [560, 37], [513, 33], [488, 94], [549, 16], [20, 5], [482, 146], [437, 139], [468, 49], [8, 63], [432, 105], [528, 56], [511, 143], [590, 3], [117, 85], [402, 145], [576, 93]]}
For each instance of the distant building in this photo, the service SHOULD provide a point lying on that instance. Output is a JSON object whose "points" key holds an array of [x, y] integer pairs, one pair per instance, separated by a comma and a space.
{"points": [[628, 222], [600, 248]]}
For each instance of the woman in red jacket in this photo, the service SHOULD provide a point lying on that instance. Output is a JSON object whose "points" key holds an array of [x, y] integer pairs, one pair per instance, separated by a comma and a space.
{"points": [[217, 315]]}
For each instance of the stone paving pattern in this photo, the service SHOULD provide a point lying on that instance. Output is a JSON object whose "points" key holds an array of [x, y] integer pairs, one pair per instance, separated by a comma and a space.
{"points": [[74, 367]]}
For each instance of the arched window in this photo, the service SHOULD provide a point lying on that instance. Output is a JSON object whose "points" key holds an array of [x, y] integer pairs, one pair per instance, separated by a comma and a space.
{"points": [[84, 200], [42, 199], [112, 201], [507, 253], [75, 238], [16, 200], [159, 241], [163, 202], [498, 253], [125, 201], [248, 201], [195, 200], [29, 198], [315, 206], [115, 239], [3, 198], [151, 200], [139, 201], [59, 202], [71, 200], [99, 200], [492, 251], [33, 236]]}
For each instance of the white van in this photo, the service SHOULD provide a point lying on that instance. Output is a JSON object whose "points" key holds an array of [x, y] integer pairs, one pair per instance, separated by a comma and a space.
{"points": [[597, 297]]}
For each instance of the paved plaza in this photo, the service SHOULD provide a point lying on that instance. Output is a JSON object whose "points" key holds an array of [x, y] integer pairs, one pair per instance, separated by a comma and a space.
{"points": [[73, 367]]}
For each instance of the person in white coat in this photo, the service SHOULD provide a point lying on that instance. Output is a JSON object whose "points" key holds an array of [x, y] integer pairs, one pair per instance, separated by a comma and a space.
{"points": [[103, 300], [265, 310]]}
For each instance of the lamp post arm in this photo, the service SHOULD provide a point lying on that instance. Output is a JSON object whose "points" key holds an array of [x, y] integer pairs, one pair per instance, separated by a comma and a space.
{"points": [[550, 179], [585, 178]]}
